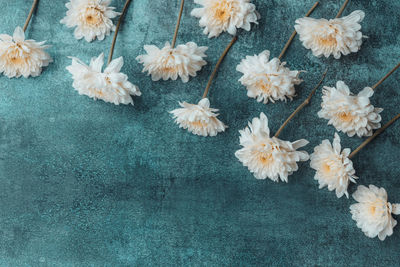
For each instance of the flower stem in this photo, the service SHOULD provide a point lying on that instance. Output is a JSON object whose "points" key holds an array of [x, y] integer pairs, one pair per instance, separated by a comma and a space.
{"points": [[294, 33], [302, 105], [342, 9], [378, 132], [177, 24], [34, 5], [124, 10], [386, 76], [218, 64]]}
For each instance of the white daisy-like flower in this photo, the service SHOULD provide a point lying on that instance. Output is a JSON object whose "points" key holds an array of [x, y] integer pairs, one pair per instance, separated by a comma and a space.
{"points": [[199, 119], [373, 212], [20, 57], [269, 157], [217, 16], [333, 167], [268, 80], [351, 114], [331, 37], [110, 86], [170, 63], [92, 18]]}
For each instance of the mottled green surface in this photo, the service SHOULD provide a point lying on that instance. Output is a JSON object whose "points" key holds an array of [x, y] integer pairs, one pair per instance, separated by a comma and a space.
{"points": [[87, 183]]}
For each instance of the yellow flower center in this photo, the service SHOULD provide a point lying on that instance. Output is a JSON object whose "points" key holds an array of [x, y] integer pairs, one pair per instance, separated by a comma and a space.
{"points": [[222, 10], [92, 16], [198, 124], [328, 40], [346, 116]]}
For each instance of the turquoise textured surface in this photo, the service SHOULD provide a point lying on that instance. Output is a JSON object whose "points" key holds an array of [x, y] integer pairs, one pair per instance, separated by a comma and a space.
{"points": [[87, 183]]}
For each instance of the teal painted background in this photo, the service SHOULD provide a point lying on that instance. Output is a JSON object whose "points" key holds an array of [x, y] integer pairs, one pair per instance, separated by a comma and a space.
{"points": [[87, 183]]}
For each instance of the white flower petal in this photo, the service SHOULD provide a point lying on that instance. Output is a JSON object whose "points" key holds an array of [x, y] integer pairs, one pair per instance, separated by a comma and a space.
{"points": [[268, 157], [373, 212], [198, 119], [217, 16], [331, 37]]}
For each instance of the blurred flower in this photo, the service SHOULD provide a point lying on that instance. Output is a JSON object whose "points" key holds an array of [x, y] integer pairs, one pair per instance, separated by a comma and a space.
{"points": [[92, 18], [217, 16], [351, 114], [267, 80], [331, 37], [373, 213], [22, 57], [333, 167], [110, 86], [268, 157], [198, 119], [169, 63]]}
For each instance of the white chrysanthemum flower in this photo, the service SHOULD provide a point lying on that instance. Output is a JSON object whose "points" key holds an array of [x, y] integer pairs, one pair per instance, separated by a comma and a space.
{"points": [[373, 213], [169, 63], [217, 16], [22, 57], [268, 80], [331, 37], [110, 86], [92, 18], [351, 114], [333, 167], [198, 119], [268, 157]]}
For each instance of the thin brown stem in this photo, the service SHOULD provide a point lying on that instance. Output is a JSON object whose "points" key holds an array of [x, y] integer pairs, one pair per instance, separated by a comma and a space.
{"points": [[285, 48], [124, 10], [34, 5], [302, 105], [378, 132], [342, 9], [217, 65], [177, 24], [386, 76]]}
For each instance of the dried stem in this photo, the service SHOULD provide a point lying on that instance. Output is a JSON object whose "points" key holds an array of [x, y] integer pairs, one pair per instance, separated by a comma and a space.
{"points": [[117, 29], [34, 5], [177, 24], [217, 66], [294, 33], [302, 105], [386, 76], [342, 9], [378, 132]]}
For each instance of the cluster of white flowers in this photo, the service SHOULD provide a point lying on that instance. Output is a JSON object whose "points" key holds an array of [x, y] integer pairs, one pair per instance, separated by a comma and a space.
{"points": [[110, 86], [20, 57], [198, 119], [351, 114], [92, 18], [266, 156], [217, 16], [373, 212], [169, 63], [331, 37], [333, 167], [268, 80]]}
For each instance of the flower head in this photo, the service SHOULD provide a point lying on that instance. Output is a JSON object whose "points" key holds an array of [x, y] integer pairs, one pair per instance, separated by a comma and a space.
{"points": [[169, 63], [333, 167], [198, 119], [110, 86], [351, 114], [267, 80], [268, 157], [22, 57], [92, 18], [373, 213], [331, 37], [217, 16]]}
